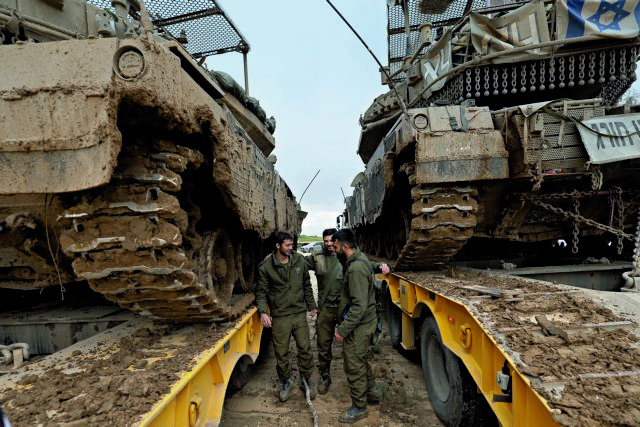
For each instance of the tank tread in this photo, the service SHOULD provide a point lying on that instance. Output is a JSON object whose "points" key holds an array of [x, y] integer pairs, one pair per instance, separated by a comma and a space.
{"points": [[133, 242], [443, 220]]}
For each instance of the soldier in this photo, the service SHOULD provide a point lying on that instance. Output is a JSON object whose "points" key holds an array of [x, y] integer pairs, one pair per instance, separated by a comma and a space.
{"points": [[358, 305], [284, 284], [329, 274]]}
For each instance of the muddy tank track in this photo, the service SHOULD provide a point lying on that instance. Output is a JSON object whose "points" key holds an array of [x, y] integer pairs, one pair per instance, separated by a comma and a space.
{"points": [[442, 220], [135, 242]]}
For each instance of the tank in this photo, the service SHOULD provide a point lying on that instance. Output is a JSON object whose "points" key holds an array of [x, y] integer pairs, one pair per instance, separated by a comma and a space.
{"points": [[127, 164], [501, 135]]}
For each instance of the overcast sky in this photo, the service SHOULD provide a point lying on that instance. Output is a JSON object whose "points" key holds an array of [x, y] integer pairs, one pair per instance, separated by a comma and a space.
{"points": [[311, 73]]}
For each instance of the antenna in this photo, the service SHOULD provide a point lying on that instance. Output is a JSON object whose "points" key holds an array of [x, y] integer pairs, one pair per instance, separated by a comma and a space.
{"points": [[344, 198], [311, 182], [393, 86]]}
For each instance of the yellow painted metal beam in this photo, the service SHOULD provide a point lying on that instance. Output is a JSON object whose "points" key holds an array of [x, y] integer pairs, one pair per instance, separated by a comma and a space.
{"points": [[465, 336], [197, 398]]}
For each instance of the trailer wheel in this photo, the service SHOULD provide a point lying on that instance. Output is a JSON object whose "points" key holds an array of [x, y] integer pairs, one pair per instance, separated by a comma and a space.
{"points": [[240, 376], [394, 318], [451, 389]]}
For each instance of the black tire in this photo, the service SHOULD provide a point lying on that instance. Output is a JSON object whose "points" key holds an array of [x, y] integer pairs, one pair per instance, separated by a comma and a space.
{"points": [[452, 391], [394, 319], [240, 376]]}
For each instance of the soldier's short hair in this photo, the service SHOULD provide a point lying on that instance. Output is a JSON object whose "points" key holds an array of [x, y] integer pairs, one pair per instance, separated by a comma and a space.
{"points": [[346, 236], [329, 232], [281, 236]]}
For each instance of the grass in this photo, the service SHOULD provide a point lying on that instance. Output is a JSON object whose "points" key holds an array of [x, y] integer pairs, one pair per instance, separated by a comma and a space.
{"points": [[303, 239]]}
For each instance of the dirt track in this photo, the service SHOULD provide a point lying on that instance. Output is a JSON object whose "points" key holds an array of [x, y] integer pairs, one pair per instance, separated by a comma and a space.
{"points": [[406, 401]]}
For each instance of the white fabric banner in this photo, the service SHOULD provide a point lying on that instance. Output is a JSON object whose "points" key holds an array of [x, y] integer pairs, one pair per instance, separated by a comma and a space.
{"points": [[437, 61]]}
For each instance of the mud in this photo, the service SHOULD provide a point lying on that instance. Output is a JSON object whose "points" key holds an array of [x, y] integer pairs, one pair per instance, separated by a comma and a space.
{"points": [[588, 372], [111, 385]]}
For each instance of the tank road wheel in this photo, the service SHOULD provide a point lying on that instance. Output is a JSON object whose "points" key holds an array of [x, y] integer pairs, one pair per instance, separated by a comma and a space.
{"points": [[452, 391], [394, 318], [134, 240]]}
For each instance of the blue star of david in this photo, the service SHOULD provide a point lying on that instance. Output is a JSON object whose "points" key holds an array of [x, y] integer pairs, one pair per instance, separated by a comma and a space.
{"points": [[617, 8]]}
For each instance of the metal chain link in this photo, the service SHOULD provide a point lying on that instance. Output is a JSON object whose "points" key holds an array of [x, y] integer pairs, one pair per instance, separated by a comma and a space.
{"points": [[478, 78], [523, 78], [561, 72], [572, 66], [514, 79], [496, 83], [636, 250], [505, 81], [612, 67], [623, 64], [533, 77], [617, 193], [552, 73], [592, 68], [581, 66], [576, 231], [543, 66], [602, 67], [486, 81], [468, 81]]}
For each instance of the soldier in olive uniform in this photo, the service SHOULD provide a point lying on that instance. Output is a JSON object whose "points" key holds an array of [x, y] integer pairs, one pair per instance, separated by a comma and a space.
{"points": [[328, 270], [358, 303], [285, 286]]}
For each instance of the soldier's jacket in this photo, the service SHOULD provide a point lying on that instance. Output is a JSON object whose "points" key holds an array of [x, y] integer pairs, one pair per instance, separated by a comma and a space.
{"points": [[329, 274], [358, 291], [286, 288]]}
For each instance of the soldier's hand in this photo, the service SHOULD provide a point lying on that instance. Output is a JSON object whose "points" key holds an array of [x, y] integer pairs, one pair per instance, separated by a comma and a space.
{"points": [[337, 337], [314, 312], [265, 320], [385, 269]]}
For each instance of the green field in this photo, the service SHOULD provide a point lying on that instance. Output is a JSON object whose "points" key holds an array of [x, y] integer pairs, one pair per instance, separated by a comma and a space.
{"points": [[308, 239]]}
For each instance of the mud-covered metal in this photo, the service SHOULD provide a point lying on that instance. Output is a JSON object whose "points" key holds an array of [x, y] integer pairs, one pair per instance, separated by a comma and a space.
{"points": [[124, 163]]}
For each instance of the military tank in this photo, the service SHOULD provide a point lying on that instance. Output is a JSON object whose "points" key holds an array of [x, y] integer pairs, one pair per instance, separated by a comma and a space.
{"points": [[501, 131], [127, 164]]}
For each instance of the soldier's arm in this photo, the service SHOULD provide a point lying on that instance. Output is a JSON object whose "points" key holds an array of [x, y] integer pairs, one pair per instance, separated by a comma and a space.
{"points": [[261, 290], [308, 291], [378, 267], [358, 281], [311, 262]]}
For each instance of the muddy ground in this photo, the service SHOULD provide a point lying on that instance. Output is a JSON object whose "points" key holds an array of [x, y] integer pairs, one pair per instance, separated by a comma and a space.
{"points": [[399, 374]]}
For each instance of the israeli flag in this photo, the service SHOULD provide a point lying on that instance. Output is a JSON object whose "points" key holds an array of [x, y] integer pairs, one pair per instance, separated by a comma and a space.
{"points": [[606, 18]]}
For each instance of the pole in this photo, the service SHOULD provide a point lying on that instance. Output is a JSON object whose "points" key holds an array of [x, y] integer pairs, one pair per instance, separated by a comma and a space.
{"points": [[246, 73]]}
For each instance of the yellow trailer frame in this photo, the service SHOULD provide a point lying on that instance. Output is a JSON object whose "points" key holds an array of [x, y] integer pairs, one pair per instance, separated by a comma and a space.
{"points": [[197, 399], [464, 335]]}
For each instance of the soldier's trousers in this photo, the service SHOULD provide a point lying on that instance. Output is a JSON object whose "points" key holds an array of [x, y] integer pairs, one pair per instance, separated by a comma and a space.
{"points": [[283, 327], [358, 371], [325, 328]]}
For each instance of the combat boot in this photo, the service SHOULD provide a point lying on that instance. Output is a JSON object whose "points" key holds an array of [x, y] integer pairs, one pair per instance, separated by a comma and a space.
{"points": [[285, 390], [353, 414], [312, 391], [325, 382], [374, 394]]}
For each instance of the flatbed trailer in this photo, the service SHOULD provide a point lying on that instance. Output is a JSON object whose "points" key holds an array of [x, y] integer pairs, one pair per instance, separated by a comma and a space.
{"points": [[537, 353], [136, 373]]}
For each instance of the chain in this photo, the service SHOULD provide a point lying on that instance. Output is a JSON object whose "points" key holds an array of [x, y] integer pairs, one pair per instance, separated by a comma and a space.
{"points": [[505, 81], [552, 73], [602, 67], [576, 231], [561, 72], [633, 64], [514, 79], [496, 83], [486, 81], [533, 77], [623, 64], [572, 66], [617, 193], [592, 68], [596, 180], [587, 221], [543, 66], [523, 78], [468, 81], [582, 59], [477, 82], [612, 67], [636, 250]]}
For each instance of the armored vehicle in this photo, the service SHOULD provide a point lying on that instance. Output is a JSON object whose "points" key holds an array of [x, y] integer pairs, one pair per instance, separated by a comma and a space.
{"points": [[501, 127], [127, 164]]}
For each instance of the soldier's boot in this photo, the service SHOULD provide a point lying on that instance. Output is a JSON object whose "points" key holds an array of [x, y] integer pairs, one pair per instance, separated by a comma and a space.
{"points": [[325, 382], [285, 390], [353, 414], [304, 391], [374, 394]]}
